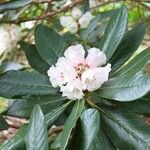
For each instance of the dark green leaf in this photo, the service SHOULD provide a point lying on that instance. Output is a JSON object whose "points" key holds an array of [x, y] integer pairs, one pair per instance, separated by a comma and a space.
{"points": [[13, 5], [34, 58], [23, 107], [16, 141], [6, 66], [55, 113], [37, 136], [102, 142], [96, 27], [128, 46], [17, 83], [49, 43], [70, 38], [130, 82], [86, 6], [125, 129], [140, 106], [90, 121], [135, 65], [75, 114], [114, 32], [3, 124]]}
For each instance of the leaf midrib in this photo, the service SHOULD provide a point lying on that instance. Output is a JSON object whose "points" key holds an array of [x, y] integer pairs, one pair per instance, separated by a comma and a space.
{"points": [[127, 129]]}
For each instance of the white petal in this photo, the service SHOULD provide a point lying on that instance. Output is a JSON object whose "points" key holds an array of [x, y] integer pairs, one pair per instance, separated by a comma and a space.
{"points": [[95, 58], [75, 54], [72, 27], [73, 90], [94, 78], [76, 13], [69, 23], [56, 76], [85, 20]]}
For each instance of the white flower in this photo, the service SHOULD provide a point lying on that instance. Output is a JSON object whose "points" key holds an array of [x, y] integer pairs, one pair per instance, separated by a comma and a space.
{"points": [[94, 78], [73, 90], [75, 54], [75, 74], [84, 21], [76, 21], [95, 58], [69, 23], [76, 13]]}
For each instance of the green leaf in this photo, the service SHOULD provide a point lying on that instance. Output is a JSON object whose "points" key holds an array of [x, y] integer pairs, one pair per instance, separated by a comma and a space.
{"points": [[70, 38], [90, 121], [3, 124], [125, 129], [130, 82], [128, 46], [55, 113], [86, 6], [37, 136], [125, 88], [75, 114], [135, 65], [102, 142], [17, 83], [49, 43], [6, 66], [114, 32], [23, 107], [34, 58], [16, 141], [140, 106], [13, 5], [96, 27]]}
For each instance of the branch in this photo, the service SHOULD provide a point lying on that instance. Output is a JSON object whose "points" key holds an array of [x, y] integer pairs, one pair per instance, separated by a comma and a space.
{"points": [[47, 15]]}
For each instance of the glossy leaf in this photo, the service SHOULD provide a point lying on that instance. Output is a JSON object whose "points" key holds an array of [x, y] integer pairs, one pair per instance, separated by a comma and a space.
{"points": [[128, 46], [16, 141], [75, 114], [130, 82], [102, 142], [6, 66], [96, 27], [37, 136], [34, 58], [90, 121], [49, 43], [17, 83], [3, 124], [135, 65], [114, 32], [23, 107], [55, 113], [13, 5], [140, 106], [125, 129]]}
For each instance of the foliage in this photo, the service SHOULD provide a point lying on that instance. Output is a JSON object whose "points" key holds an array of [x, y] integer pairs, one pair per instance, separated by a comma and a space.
{"points": [[105, 119]]}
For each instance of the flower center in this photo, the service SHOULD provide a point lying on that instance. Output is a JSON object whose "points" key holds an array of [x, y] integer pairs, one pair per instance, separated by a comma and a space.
{"points": [[81, 68]]}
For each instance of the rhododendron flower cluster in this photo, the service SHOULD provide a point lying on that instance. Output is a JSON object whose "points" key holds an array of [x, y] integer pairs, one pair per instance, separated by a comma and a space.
{"points": [[9, 36], [76, 20], [75, 74]]}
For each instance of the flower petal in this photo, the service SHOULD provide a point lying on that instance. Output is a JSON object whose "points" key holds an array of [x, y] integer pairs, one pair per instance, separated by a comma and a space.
{"points": [[85, 20], [95, 58], [76, 13], [94, 78], [75, 54], [69, 23], [73, 90]]}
